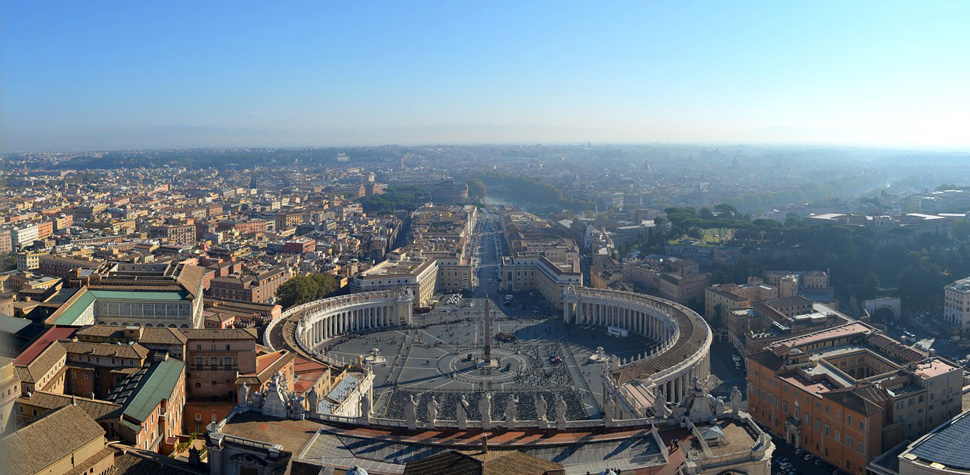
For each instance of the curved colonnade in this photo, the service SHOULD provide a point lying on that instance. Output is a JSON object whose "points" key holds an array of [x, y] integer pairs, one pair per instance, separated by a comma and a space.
{"points": [[684, 337], [316, 322]]}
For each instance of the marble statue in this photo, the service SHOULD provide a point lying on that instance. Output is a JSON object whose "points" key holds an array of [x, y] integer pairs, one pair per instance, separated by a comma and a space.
{"points": [[510, 412], [719, 407], [296, 405], [243, 399], [461, 413], [609, 409], [276, 402], [411, 412], [660, 404], [699, 405], [258, 398], [312, 400], [485, 409], [364, 406], [560, 412], [736, 400], [541, 408], [432, 411]]}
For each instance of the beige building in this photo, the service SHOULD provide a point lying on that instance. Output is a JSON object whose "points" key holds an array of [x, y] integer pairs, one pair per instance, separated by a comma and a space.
{"points": [[444, 233], [46, 371], [541, 259], [28, 261], [417, 274], [720, 299], [956, 303], [67, 440], [538, 274], [9, 392], [679, 280]]}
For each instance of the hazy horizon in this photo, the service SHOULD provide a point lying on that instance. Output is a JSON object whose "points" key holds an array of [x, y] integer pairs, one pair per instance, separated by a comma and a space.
{"points": [[116, 75]]}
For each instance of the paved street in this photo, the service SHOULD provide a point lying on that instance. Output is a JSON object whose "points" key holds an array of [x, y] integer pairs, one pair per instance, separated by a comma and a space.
{"points": [[725, 374]]}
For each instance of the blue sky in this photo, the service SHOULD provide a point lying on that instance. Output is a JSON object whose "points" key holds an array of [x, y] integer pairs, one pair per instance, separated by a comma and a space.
{"points": [[106, 74]]}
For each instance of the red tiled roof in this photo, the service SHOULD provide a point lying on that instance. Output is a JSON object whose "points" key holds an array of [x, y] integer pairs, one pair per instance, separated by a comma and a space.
{"points": [[35, 349]]}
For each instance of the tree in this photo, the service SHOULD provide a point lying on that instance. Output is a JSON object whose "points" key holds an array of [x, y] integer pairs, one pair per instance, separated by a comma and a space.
{"points": [[961, 229], [477, 189], [870, 287], [727, 210], [793, 220], [302, 289]]}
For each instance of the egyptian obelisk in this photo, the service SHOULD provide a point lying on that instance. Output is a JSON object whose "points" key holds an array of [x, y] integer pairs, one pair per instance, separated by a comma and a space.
{"points": [[487, 356]]}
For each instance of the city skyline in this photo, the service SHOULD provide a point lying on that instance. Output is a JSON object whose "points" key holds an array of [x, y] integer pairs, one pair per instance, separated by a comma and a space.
{"points": [[136, 76]]}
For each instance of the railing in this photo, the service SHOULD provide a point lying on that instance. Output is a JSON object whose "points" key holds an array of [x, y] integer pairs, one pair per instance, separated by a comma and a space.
{"points": [[331, 304], [643, 422], [687, 325]]}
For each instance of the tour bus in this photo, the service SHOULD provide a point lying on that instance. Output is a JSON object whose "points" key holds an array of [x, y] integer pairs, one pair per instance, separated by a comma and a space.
{"points": [[617, 332]]}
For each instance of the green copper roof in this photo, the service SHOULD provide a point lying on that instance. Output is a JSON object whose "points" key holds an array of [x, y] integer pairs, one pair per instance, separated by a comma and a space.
{"points": [[137, 295], [71, 313], [156, 385]]}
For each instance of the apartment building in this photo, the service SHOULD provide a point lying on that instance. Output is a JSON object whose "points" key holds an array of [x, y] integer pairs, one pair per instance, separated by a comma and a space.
{"points": [[442, 233], [257, 287], [62, 266], [95, 368], [541, 259], [215, 357], [538, 274], [28, 261], [849, 393], [9, 392], [720, 299], [21, 237], [67, 440], [6, 245], [416, 273], [183, 234], [42, 366], [956, 303], [151, 403], [157, 341], [674, 279]]}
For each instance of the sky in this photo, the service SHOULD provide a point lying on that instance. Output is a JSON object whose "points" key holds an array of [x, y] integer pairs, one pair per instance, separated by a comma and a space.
{"points": [[122, 74]]}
